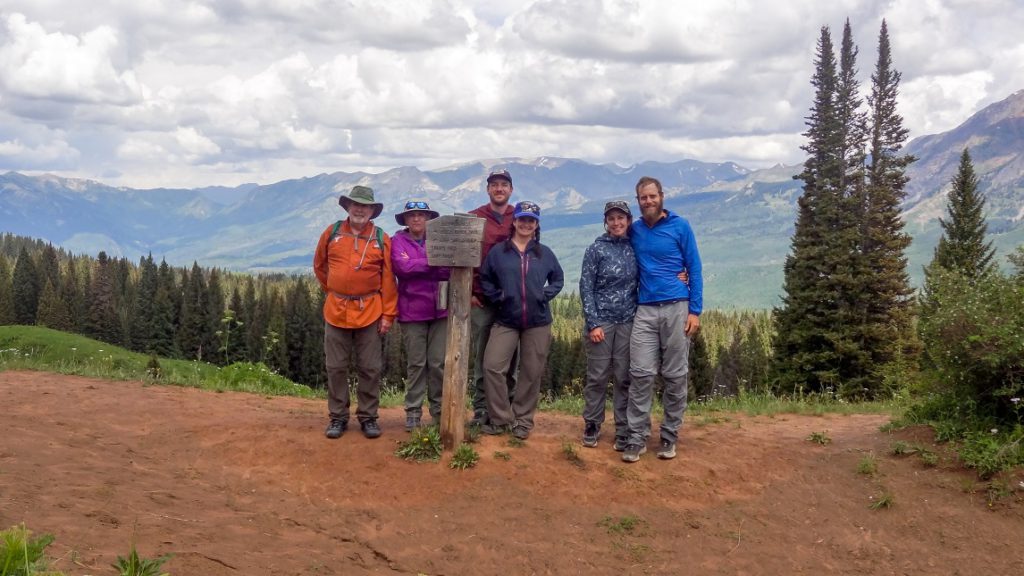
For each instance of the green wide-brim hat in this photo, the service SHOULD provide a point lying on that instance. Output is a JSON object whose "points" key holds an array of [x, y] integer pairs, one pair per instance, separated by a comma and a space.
{"points": [[361, 195]]}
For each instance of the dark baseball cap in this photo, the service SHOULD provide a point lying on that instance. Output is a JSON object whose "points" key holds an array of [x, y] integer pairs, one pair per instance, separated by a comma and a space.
{"points": [[617, 205], [500, 174]]}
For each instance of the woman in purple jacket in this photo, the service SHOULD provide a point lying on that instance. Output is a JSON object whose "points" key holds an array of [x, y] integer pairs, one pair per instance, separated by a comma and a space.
{"points": [[424, 325]]}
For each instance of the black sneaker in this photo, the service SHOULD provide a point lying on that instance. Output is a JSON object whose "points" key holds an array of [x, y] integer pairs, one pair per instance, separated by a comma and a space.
{"points": [[335, 429], [590, 434], [667, 450], [620, 444], [494, 429], [411, 422], [370, 428], [521, 432], [633, 452]]}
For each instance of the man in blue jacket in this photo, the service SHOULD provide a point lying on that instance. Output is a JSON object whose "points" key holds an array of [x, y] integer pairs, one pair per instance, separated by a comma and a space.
{"points": [[667, 316]]}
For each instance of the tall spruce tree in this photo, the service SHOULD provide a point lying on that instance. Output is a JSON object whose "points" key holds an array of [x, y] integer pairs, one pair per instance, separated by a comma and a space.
{"points": [[888, 298], [803, 358], [846, 307], [963, 246], [25, 289]]}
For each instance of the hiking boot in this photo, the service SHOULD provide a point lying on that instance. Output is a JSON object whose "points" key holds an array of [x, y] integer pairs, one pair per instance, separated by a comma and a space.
{"points": [[620, 444], [494, 429], [667, 450], [335, 429], [590, 433], [521, 432], [633, 452], [411, 422], [370, 428]]}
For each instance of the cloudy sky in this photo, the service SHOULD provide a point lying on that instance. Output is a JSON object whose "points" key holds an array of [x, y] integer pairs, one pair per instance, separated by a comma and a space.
{"points": [[164, 93]]}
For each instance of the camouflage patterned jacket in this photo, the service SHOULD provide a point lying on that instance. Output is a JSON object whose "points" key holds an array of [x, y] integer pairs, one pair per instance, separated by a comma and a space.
{"points": [[608, 282]]}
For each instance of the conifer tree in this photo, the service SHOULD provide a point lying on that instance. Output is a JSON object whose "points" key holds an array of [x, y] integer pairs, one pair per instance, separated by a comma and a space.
{"points": [[53, 312], [888, 298], [246, 312], [194, 333], [963, 246], [215, 309], [48, 266], [25, 289], [143, 328], [6, 293], [165, 314], [102, 322], [73, 295], [238, 350], [275, 354], [304, 358], [803, 357]]}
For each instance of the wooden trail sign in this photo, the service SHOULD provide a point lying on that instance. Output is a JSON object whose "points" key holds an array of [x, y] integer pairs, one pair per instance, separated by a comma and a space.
{"points": [[455, 241]]}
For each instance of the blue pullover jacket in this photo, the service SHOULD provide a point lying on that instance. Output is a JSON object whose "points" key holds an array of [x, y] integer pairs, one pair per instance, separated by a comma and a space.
{"points": [[662, 252]]}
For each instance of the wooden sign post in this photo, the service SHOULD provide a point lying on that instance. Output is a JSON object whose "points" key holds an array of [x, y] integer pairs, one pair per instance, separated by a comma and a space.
{"points": [[455, 241]]}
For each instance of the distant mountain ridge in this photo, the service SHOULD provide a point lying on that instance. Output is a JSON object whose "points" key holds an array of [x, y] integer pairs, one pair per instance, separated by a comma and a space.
{"points": [[743, 218]]}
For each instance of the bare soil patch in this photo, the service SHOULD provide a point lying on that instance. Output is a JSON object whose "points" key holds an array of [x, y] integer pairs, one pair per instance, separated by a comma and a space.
{"points": [[243, 484]]}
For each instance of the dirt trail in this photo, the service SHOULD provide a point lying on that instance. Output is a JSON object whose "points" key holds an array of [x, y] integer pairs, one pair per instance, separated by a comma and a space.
{"points": [[243, 484]]}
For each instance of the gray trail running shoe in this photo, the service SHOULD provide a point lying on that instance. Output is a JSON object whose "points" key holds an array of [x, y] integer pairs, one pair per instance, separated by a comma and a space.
{"points": [[633, 452]]}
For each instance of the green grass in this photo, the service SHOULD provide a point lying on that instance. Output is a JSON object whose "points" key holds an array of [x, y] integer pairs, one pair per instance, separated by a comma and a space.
{"points": [[37, 348], [23, 555], [624, 525], [883, 501], [423, 445], [868, 465], [464, 457], [134, 565], [819, 438], [767, 404], [572, 454]]}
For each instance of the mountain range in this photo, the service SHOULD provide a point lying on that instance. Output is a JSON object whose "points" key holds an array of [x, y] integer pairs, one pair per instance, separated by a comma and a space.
{"points": [[743, 218]]}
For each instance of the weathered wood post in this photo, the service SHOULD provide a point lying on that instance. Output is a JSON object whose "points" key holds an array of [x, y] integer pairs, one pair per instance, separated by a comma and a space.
{"points": [[454, 241]]}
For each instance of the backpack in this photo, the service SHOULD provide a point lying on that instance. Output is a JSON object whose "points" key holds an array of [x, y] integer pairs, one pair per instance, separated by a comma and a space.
{"points": [[337, 225]]}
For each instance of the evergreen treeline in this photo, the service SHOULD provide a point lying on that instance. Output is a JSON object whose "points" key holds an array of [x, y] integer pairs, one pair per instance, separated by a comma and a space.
{"points": [[223, 318]]}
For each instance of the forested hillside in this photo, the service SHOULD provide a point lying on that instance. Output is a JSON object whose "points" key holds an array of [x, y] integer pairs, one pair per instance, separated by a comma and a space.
{"points": [[225, 317]]}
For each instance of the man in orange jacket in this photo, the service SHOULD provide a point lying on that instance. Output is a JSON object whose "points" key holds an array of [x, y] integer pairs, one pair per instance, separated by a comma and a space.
{"points": [[353, 265]]}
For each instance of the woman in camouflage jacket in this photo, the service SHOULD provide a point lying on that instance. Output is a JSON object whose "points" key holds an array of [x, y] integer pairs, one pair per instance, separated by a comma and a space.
{"points": [[608, 287]]}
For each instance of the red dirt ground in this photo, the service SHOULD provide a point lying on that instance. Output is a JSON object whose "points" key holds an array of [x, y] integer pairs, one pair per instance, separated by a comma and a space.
{"points": [[243, 484]]}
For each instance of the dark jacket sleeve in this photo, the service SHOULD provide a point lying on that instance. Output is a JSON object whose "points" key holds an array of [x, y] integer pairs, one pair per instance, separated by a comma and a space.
{"points": [[489, 282], [588, 279], [556, 279]]}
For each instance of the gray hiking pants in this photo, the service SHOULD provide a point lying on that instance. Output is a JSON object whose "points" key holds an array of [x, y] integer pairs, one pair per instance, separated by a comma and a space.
{"points": [[658, 345], [608, 360], [425, 344], [481, 320], [533, 344]]}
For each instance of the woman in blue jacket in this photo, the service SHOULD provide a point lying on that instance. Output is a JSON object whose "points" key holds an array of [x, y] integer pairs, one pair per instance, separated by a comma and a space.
{"points": [[519, 277]]}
